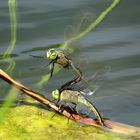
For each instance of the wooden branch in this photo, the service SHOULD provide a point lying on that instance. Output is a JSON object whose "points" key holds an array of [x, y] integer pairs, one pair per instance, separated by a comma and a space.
{"points": [[110, 125]]}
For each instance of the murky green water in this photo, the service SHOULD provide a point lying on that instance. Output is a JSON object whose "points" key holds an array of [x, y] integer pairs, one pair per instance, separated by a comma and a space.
{"points": [[115, 42]]}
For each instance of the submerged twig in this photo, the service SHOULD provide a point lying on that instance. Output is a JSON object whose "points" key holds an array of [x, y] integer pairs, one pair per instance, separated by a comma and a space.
{"points": [[110, 125]]}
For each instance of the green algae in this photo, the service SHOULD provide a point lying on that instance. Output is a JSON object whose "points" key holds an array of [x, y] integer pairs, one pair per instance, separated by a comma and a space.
{"points": [[32, 123]]}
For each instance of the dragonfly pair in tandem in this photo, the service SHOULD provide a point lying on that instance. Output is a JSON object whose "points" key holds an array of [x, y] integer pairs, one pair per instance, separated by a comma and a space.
{"points": [[66, 93]]}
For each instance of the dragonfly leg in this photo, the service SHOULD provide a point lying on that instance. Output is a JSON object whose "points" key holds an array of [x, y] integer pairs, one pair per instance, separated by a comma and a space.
{"points": [[70, 106], [53, 115], [67, 104], [58, 109], [51, 64], [73, 109], [69, 84]]}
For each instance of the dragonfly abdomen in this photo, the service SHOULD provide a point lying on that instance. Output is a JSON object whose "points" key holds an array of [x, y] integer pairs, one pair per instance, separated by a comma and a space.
{"points": [[96, 112], [76, 97]]}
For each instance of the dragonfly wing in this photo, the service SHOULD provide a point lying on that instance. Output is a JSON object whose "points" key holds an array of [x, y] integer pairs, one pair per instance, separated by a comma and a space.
{"points": [[94, 82], [82, 110], [88, 91], [42, 66], [51, 69], [69, 32]]}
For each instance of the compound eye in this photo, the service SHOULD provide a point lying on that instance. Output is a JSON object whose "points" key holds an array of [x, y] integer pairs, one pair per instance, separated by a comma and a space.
{"points": [[55, 94], [52, 54]]}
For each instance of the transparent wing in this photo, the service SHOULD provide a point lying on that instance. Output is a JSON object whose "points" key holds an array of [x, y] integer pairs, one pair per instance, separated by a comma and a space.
{"points": [[88, 91], [85, 19], [40, 66], [69, 32], [72, 33], [94, 82]]}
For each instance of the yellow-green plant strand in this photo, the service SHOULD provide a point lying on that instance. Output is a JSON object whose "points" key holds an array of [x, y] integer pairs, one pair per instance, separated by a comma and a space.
{"points": [[65, 45], [13, 26], [5, 109], [11, 66], [92, 25]]}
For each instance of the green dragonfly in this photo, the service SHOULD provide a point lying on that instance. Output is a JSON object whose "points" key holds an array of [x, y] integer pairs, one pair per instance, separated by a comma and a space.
{"points": [[59, 57], [75, 97], [72, 96]]}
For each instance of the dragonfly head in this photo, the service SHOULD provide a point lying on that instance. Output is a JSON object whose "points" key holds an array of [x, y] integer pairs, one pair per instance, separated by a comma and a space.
{"points": [[56, 94], [52, 54]]}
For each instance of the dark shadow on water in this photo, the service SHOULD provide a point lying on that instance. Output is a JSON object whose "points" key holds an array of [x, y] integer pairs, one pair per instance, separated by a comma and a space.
{"points": [[8, 56], [41, 48], [26, 103]]}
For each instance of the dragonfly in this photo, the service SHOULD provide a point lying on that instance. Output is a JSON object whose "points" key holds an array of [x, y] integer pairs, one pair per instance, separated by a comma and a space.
{"points": [[68, 94], [75, 97], [59, 57]]}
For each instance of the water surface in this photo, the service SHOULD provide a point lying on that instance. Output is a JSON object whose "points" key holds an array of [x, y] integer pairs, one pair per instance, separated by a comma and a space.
{"points": [[115, 43]]}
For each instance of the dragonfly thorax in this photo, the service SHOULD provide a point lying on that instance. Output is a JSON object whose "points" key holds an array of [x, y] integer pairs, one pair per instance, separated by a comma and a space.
{"points": [[70, 96], [63, 60]]}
